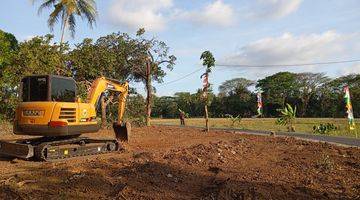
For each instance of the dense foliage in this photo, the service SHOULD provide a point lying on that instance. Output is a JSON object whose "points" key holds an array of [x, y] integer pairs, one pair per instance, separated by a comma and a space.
{"points": [[314, 94]]}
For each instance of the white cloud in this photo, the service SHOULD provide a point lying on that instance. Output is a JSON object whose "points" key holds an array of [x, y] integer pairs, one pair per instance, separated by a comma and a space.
{"points": [[353, 69], [295, 49], [289, 48], [134, 14], [216, 13], [154, 15], [27, 37], [274, 8]]}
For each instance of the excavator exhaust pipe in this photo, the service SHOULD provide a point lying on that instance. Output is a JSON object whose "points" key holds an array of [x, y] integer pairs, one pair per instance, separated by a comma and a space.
{"points": [[122, 131]]}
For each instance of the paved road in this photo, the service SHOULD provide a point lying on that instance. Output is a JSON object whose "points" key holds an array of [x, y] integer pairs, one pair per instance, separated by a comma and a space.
{"points": [[343, 141]]}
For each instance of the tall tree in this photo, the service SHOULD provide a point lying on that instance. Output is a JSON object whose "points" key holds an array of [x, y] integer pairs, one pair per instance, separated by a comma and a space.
{"points": [[8, 47], [278, 89], [8, 50], [66, 11], [309, 83], [40, 56], [235, 98], [232, 86], [209, 62], [147, 61], [331, 96]]}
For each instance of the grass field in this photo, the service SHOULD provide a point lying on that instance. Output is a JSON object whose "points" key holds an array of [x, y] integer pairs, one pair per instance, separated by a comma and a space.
{"points": [[303, 125]]}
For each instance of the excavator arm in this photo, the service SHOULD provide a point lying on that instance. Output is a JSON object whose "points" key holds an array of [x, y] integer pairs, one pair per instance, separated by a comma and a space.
{"points": [[122, 129]]}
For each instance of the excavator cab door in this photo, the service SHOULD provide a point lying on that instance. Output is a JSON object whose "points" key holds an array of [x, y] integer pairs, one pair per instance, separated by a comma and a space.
{"points": [[122, 131]]}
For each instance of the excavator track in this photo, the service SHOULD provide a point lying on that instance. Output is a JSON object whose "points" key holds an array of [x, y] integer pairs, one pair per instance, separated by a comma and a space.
{"points": [[48, 149], [75, 147]]}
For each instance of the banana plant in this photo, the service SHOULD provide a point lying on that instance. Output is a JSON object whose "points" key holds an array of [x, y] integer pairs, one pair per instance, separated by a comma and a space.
{"points": [[287, 117], [234, 119]]}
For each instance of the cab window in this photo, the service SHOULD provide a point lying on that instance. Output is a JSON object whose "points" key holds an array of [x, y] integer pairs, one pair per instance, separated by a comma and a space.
{"points": [[34, 89], [63, 90]]}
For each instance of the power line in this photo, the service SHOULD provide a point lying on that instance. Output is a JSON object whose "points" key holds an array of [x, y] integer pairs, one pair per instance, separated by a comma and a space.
{"points": [[288, 65], [262, 66], [185, 76]]}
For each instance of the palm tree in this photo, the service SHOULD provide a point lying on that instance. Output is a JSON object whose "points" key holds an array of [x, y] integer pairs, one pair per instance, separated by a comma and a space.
{"points": [[66, 10]]}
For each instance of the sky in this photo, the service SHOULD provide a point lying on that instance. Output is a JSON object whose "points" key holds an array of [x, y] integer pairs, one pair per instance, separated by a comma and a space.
{"points": [[237, 32]]}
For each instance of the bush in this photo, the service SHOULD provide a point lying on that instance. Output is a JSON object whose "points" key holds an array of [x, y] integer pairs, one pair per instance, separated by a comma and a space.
{"points": [[324, 129]]}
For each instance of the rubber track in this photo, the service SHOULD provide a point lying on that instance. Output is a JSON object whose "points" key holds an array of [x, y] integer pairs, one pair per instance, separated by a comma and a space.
{"points": [[39, 150]]}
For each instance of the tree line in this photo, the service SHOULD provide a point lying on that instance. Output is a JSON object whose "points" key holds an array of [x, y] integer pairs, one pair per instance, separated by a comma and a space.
{"points": [[314, 95]]}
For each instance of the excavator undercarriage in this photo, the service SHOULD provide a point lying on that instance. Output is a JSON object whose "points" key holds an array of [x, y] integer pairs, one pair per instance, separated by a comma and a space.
{"points": [[54, 148], [47, 149]]}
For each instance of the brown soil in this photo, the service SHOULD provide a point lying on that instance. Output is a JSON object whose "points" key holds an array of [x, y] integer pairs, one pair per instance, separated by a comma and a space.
{"points": [[181, 163]]}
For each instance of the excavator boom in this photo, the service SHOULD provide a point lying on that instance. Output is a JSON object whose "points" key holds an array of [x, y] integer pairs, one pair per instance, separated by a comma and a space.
{"points": [[100, 85]]}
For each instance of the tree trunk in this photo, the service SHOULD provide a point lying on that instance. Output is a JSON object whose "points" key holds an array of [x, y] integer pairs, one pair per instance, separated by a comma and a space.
{"points": [[103, 113], [305, 102], [149, 93], [206, 103], [207, 118], [63, 28]]}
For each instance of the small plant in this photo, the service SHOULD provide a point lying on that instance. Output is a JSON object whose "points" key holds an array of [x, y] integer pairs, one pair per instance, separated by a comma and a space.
{"points": [[233, 119], [325, 163], [324, 129], [287, 117]]}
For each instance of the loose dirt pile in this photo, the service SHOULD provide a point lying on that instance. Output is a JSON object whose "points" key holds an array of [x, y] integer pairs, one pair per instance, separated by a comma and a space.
{"points": [[181, 163]]}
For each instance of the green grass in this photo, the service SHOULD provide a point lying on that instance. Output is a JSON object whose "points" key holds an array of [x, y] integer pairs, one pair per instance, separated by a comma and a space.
{"points": [[303, 125]]}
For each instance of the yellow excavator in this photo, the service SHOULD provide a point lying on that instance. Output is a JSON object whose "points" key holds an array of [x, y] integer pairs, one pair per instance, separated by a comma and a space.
{"points": [[49, 108]]}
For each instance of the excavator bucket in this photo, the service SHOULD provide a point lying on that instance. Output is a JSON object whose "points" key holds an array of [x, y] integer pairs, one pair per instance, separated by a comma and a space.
{"points": [[122, 131]]}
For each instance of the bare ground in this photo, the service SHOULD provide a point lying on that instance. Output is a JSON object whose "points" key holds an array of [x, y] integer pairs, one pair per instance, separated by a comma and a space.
{"points": [[184, 163]]}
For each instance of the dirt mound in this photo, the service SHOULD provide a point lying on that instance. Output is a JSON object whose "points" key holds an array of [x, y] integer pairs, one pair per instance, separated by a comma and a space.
{"points": [[175, 163], [213, 153]]}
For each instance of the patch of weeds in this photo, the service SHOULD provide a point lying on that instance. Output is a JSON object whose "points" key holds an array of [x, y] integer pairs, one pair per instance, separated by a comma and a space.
{"points": [[324, 129], [325, 163]]}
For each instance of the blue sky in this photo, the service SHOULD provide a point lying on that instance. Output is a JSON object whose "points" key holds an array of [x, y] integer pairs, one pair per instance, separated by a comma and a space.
{"points": [[252, 32]]}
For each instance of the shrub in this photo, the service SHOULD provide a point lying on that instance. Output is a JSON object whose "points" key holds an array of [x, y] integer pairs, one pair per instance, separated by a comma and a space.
{"points": [[324, 129]]}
